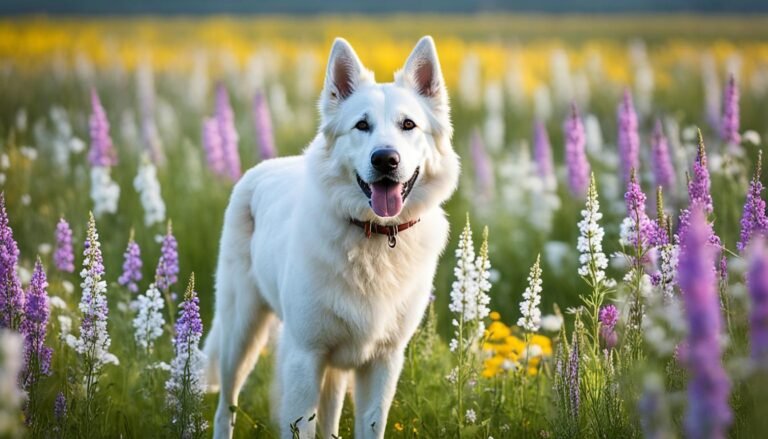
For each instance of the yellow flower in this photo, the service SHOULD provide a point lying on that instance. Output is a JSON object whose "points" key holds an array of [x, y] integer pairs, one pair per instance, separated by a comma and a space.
{"points": [[495, 315], [497, 331], [398, 426]]}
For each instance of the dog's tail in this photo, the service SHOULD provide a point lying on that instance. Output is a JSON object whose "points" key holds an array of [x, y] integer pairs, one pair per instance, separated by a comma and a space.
{"points": [[234, 254]]}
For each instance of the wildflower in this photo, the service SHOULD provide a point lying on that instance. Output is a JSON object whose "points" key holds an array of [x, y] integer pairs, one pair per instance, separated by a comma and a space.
{"points": [[225, 119], [575, 156], [590, 243], [168, 266], [37, 356], [102, 153], [708, 390], [148, 323], [11, 396], [131, 266], [542, 154], [628, 141], [148, 187], [93, 343], [186, 385], [729, 129], [482, 163], [529, 307], [471, 416], [632, 234], [60, 408], [572, 373], [609, 317], [661, 163], [551, 322], [11, 294], [64, 256], [263, 123], [698, 186], [214, 155], [753, 220], [757, 282], [105, 193]]}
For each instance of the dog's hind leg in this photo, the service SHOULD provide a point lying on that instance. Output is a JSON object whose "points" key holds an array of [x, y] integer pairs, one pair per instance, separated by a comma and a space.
{"points": [[331, 402], [247, 331]]}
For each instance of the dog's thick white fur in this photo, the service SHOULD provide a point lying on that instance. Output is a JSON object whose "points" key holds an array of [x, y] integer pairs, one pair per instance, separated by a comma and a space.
{"points": [[348, 304]]}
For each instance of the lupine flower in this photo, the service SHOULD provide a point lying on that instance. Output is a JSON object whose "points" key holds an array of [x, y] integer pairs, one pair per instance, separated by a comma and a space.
{"points": [[225, 119], [148, 187], [186, 385], [148, 323], [630, 231], [102, 153], [542, 153], [729, 129], [64, 256], [482, 164], [753, 220], [609, 317], [575, 156], [263, 123], [590, 243], [131, 266], [529, 307], [37, 356], [60, 407], [214, 154], [572, 371], [628, 140], [168, 266], [663, 170], [11, 294], [105, 193], [698, 193], [708, 412], [93, 343], [11, 396], [757, 282]]}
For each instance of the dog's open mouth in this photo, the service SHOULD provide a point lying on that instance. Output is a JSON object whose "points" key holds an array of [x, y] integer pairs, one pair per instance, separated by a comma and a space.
{"points": [[386, 195]]}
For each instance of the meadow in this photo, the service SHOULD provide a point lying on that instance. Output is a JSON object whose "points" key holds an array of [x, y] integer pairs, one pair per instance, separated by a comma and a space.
{"points": [[607, 317]]}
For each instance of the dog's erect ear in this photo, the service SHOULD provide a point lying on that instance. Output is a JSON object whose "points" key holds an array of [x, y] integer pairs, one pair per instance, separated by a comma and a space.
{"points": [[345, 73], [422, 72]]}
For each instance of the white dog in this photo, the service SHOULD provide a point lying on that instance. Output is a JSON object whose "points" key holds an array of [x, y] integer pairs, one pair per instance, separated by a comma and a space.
{"points": [[313, 241]]}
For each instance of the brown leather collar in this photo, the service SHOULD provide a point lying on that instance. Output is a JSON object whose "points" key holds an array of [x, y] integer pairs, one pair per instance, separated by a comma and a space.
{"points": [[391, 231]]}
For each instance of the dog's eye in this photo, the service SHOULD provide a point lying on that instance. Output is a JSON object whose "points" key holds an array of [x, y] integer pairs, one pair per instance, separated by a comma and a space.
{"points": [[362, 126], [408, 125]]}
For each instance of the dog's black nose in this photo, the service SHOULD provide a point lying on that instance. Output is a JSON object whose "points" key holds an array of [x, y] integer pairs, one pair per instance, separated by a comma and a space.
{"points": [[385, 160]]}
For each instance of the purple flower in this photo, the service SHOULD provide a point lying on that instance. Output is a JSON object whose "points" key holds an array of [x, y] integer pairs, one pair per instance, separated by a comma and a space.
{"points": [[729, 129], [661, 162], [102, 152], [11, 294], [131, 266], [37, 356], [189, 326], [757, 282], [609, 317], [628, 140], [753, 220], [225, 118], [214, 155], [542, 151], [574, 393], [64, 256], [168, 266], [482, 163], [60, 408], [698, 186], [575, 156], [635, 200], [263, 123], [708, 413]]}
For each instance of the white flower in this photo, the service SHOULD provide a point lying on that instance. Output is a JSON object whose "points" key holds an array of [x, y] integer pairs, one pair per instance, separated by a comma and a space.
{"points": [[551, 322], [76, 145], [105, 193], [57, 302], [453, 377], [148, 323], [65, 327], [69, 288], [529, 307], [590, 243], [44, 248], [471, 416], [160, 365], [751, 136], [148, 187], [26, 199], [668, 271], [5, 161]]}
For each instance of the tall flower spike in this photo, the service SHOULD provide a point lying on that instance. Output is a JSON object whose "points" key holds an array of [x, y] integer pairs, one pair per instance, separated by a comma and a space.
{"points": [[609, 317], [698, 185], [11, 294], [263, 123], [482, 163], [575, 155], [530, 319], [148, 323], [225, 119], [102, 151], [628, 140], [64, 255], [37, 356], [168, 266], [753, 219], [131, 266], [590, 243], [636, 224], [148, 187], [542, 152], [709, 413], [663, 170], [574, 392], [757, 282], [730, 123], [214, 153]]}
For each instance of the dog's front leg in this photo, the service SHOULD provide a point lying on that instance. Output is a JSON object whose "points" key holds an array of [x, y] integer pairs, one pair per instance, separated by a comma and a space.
{"points": [[300, 376], [375, 385]]}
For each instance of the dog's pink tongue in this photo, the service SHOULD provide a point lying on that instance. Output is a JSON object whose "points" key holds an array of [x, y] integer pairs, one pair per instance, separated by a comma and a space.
{"points": [[386, 198]]}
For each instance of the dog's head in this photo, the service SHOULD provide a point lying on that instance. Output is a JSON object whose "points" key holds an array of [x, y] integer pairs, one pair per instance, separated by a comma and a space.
{"points": [[387, 153]]}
